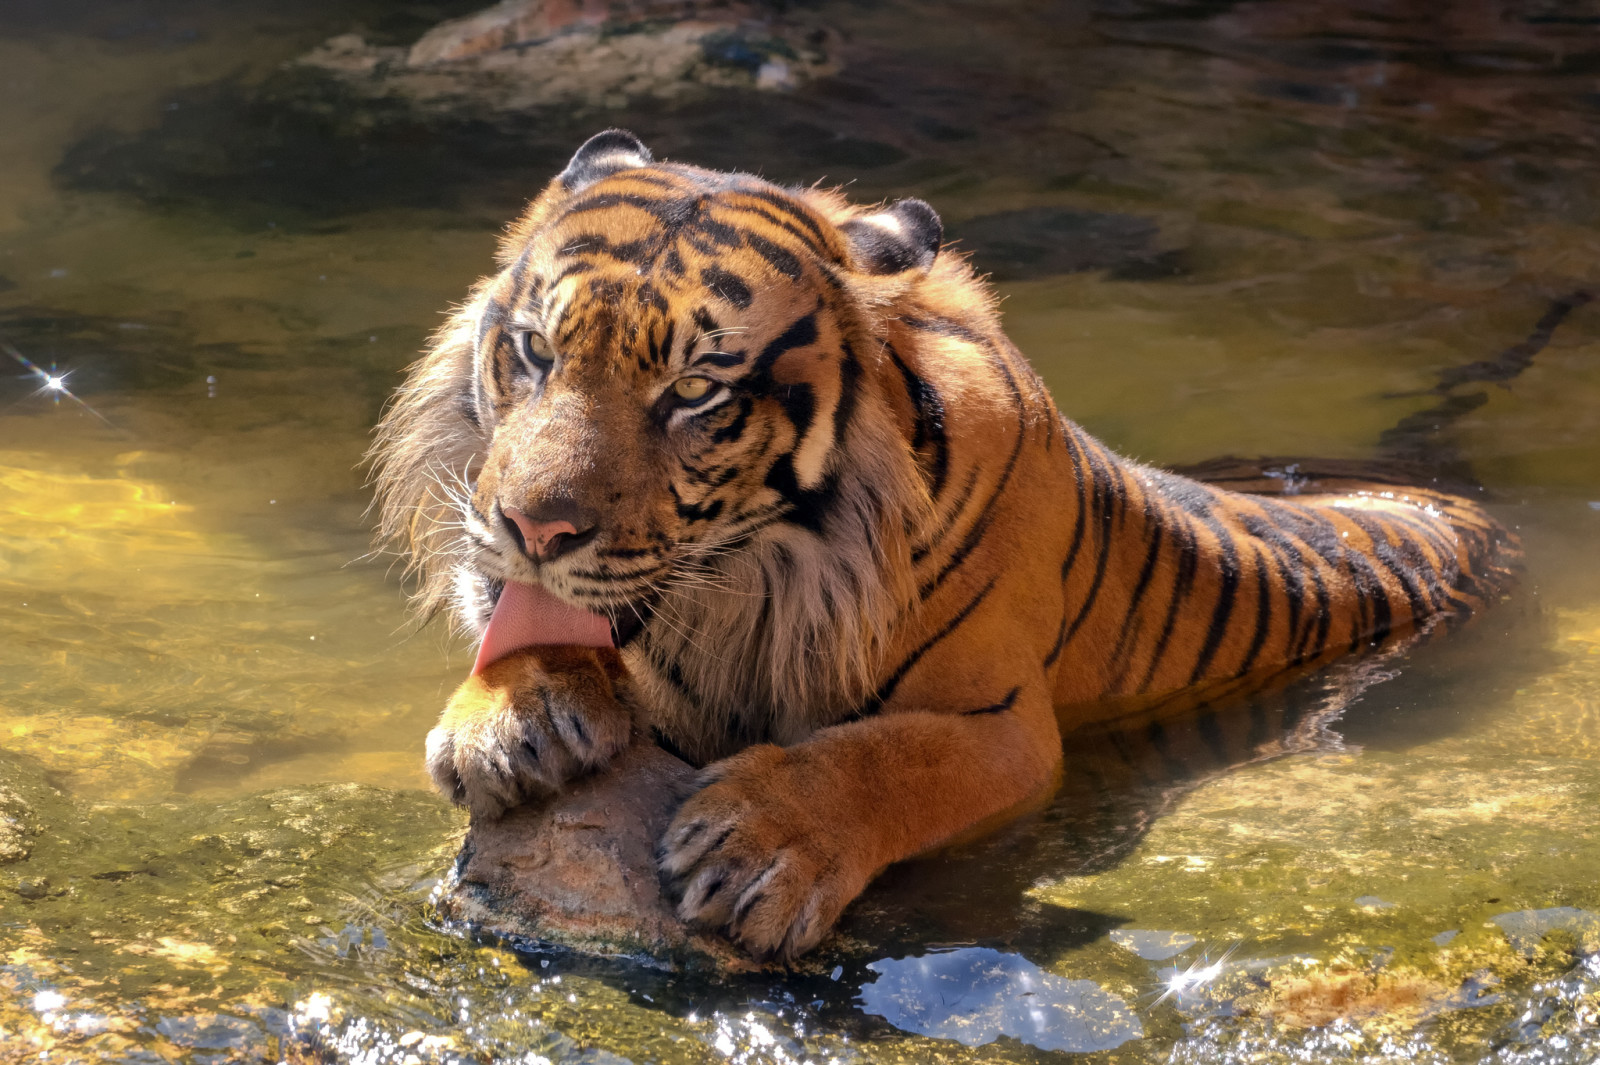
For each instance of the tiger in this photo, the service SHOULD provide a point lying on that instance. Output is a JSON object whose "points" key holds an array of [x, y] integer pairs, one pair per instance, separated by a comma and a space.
{"points": [[755, 473]]}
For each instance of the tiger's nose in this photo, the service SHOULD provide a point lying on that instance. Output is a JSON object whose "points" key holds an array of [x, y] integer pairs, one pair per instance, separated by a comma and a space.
{"points": [[545, 537]]}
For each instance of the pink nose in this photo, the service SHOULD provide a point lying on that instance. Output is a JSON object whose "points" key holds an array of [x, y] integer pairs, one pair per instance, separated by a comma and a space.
{"points": [[542, 539]]}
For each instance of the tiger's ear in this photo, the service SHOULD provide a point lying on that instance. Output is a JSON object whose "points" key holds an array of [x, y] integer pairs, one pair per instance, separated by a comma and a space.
{"points": [[903, 236], [603, 155]]}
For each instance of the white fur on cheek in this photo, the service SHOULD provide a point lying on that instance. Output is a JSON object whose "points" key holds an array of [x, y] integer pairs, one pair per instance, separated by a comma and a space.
{"points": [[472, 603]]}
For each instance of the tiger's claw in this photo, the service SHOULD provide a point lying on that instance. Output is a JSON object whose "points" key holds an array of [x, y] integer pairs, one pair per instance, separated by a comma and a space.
{"points": [[527, 724], [746, 857]]}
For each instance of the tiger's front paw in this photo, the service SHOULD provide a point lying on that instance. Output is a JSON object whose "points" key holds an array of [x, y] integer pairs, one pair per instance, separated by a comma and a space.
{"points": [[526, 725], [754, 854]]}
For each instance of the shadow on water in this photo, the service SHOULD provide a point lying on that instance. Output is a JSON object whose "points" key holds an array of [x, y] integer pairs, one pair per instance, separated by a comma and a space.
{"points": [[1117, 780]]}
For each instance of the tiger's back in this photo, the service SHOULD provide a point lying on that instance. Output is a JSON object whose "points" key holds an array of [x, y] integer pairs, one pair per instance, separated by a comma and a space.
{"points": [[1128, 583]]}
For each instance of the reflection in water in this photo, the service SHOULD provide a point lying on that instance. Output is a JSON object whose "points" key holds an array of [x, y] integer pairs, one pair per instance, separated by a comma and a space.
{"points": [[1153, 945], [1233, 228], [974, 995]]}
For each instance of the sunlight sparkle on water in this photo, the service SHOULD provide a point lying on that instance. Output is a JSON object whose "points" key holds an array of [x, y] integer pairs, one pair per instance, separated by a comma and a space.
{"points": [[1180, 982], [48, 1001], [52, 382]]}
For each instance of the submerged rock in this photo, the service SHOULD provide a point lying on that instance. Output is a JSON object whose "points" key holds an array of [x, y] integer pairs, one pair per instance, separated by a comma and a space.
{"points": [[21, 788], [522, 54], [975, 995], [580, 871]]}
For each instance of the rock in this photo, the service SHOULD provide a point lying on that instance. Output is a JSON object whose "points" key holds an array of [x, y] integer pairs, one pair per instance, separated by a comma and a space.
{"points": [[579, 871], [526, 54], [523, 22], [27, 804], [16, 827], [974, 995]]}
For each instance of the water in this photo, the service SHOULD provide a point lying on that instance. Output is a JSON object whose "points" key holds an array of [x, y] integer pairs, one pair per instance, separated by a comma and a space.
{"points": [[1220, 229]]}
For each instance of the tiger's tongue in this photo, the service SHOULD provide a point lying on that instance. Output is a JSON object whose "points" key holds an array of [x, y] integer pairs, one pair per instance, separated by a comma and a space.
{"points": [[529, 616]]}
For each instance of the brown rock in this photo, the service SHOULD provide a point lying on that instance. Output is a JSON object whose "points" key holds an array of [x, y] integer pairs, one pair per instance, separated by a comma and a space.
{"points": [[524, 22], [580, 870], [529, 54]]}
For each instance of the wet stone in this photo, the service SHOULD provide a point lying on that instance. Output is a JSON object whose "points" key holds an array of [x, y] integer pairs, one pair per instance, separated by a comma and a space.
{"points": [[974, 995], [1525, 929], [27, 804], [16, 827], [33, 887], [524, 54], [580, 871]]}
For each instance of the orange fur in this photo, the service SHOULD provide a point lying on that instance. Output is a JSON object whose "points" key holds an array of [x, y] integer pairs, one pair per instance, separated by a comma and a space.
{"points": [[872, 569]]}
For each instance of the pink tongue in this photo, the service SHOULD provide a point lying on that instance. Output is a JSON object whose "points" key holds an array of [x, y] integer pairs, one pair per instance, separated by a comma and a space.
{"points": [[529, 616]]}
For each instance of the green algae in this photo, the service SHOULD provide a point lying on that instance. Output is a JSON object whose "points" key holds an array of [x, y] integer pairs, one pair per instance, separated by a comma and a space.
{"points": [[124, 915]]}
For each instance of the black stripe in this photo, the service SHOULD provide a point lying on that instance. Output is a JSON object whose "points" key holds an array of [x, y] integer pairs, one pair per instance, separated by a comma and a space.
{"points": [[790, 208], [1182, 584], [782, 259], [995, 708], [945, 327], [734, 429], [576, 268], [1290, 578], [774, 219], [668, 670], [1375, 614], [1218, 629], [1104, 503], [1263, 612], [493, 317], [1324, 619], [703, 322], [927, 423], [673, 213], [844, 411], [801, 331], [885, 692], [1060, 644], [467, 407], [713, 237], [1384, 554], [1156, 531], [726, 286], [1081, 491], [980, 525], [1317, 537], [632, 252], [1436, 581], [961, 499], [694, 512]]}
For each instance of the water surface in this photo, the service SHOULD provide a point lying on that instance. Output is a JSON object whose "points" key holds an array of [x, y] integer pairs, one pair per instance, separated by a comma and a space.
{"points": [[1241, 229]]}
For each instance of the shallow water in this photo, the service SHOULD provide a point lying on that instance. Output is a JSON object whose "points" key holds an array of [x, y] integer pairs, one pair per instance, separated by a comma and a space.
{"points": [[1220, 229]]}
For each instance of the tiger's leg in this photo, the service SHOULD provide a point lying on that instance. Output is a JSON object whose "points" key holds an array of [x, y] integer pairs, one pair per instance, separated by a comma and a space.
{"points": [[527, 724], [779, 840]]}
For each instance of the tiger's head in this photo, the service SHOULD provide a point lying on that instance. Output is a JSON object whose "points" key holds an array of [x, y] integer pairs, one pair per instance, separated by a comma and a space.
{"points": [[671, 408]]}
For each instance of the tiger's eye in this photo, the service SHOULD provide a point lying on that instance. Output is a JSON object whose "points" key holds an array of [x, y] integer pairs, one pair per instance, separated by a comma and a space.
{"points": [[692, 388], [534, 348]]}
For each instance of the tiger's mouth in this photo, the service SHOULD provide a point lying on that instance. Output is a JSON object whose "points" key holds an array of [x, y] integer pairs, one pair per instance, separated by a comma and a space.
{"points": [[530, 615]]}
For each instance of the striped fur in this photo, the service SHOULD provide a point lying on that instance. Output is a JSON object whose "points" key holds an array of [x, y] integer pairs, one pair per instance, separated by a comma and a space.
{"points": [[869, 579]]}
